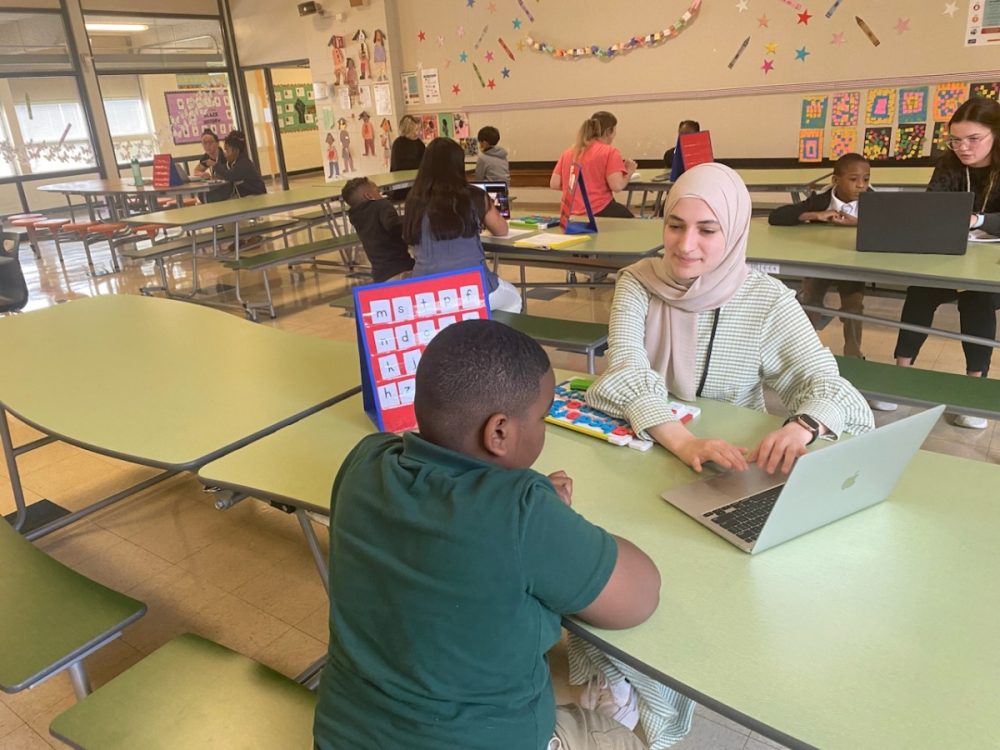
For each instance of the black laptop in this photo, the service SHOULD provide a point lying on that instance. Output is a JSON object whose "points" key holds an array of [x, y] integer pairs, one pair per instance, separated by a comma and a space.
{"points": [[914, 222]]}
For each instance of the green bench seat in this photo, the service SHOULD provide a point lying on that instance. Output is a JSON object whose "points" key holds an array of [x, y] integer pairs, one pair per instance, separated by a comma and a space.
{"points": [[978, 397], [191, 694], [51, 617], [280, 256], [129, 248]]}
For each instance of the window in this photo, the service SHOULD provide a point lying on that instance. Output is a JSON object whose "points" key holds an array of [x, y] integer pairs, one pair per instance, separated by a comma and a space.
{"points": [[131, 132], [54, 135]]}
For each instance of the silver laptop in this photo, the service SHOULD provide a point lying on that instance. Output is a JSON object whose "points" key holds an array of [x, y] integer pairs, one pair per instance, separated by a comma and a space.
{"points": [[756, 511], [914, 222]]}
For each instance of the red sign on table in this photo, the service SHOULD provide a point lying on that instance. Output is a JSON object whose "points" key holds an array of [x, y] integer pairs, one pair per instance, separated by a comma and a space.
{"points": [[696, 148], [396, 320]]}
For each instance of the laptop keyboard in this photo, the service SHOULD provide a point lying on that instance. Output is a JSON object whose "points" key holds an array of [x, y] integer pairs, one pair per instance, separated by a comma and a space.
{"points": [[745, 518]]}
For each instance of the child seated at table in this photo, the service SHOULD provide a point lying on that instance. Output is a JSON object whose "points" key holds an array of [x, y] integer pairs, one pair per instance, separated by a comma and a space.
{"points": [[452, 562], [491, 164], [379, 228], [838, 205]]}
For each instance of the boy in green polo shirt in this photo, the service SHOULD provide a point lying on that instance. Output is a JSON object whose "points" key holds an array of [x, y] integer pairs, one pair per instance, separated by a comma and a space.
{"points": [[451, 563]]}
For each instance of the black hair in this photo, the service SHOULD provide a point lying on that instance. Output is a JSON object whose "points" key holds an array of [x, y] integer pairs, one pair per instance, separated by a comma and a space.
{"points": [[472, 370], [844, 162], [489, 135], [353, 187], [236, 140], [209, 131], [690, 124], [986, 112], [441, 193]]}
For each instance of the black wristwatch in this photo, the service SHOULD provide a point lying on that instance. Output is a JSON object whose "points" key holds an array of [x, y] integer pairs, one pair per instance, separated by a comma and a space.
{"points": [[804, 420]]}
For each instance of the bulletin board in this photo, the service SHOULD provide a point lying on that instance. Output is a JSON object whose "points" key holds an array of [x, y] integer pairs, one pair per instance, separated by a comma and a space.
{"points": [[511, 63], [296, 107], [192, 111]]}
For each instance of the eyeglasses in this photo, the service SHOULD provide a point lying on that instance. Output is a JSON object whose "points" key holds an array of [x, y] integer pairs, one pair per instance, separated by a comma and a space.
{"points": [[972, 141]]}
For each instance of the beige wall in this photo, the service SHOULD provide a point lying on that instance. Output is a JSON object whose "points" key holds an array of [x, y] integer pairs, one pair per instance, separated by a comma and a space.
{"points": [[300, 148], [750, 113]]}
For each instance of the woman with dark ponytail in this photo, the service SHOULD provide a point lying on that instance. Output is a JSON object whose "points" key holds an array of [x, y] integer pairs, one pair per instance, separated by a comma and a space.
{"points": [[604, 171], [971, 164], [237, 168]]}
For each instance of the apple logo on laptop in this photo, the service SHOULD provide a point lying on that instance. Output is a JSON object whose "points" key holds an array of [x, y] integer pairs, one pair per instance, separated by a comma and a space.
{"points": [[849, 482]]}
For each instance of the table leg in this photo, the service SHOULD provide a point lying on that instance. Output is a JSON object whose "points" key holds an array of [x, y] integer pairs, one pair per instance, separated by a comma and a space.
{"points": [[313, 542], [15, 477]]}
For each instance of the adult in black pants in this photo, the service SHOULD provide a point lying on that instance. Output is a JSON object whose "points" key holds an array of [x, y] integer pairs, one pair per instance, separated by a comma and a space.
{"points": [[971, 164], [407, 151]]}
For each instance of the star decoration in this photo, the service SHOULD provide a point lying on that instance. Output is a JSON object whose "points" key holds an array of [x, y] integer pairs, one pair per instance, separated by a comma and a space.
{"points": [[770, 48], [838, 39], [800, 54], [491, 84], [470, 3], [456, 89], [742, 6], [463, 56], [440, 41], [516, 23], [489, 56], [950, 9], [492, 7], [768, 66], [804, 17], [421, 36], [902, 25], [762, 22], [520, 45], [460, 31], [505, 72]]}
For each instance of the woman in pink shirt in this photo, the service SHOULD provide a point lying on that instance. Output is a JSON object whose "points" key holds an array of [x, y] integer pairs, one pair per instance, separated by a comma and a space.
{"points": [[604, 170]]}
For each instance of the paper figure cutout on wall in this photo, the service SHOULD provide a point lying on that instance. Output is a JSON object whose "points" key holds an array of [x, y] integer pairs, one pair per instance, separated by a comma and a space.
{"points": [[910, 140], [429, 127], [811, 145], [367, 133], [881, 107], [938, 146], [985, 89], [843, 141], [947, 98], [913, 105], [814, 111], [877, 143], [385, 140], [364, 53], [844, 109], [379, 56], [461, 120], [336, 45], [345, 146], [446, 125], [352, 81], [333, 168]]}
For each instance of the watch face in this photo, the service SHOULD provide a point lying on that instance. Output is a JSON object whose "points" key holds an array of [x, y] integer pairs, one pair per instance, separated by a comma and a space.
{"points": [[808, 422]]}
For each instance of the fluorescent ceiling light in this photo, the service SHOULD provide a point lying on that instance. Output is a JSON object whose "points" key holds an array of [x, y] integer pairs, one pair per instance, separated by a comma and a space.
{"points": [[116, 27]]}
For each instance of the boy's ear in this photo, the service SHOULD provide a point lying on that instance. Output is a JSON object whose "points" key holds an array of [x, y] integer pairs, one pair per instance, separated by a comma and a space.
{"points": [[498, 434]]}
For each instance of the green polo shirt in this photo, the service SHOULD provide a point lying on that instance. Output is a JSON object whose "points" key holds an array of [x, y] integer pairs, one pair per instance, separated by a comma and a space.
{"points": [[448, 576]]}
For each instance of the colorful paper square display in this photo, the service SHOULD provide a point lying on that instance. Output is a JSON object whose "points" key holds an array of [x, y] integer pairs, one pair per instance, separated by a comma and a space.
{"points": [[877, 143], [810, 145], [947, 98], [395, 322], [938, 138], [843, 141], [910, 140], [985, 89], [913, 105], [814, 112], [881, 107], [844, 109]]}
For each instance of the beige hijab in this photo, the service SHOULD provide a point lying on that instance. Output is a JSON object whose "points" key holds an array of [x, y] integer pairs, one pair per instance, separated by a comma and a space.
{"points": [[672, 320]]}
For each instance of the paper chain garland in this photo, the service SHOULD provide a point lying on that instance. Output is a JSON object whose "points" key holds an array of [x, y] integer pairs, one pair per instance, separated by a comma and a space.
{"points": [[646, 40]]}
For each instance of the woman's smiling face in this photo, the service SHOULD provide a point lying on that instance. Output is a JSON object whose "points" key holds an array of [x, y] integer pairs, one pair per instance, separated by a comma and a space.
{"points": [[693, 242]]}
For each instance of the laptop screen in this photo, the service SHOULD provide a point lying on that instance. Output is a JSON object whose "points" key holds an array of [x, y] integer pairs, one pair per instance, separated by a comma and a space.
{"points": [[499, 193]]}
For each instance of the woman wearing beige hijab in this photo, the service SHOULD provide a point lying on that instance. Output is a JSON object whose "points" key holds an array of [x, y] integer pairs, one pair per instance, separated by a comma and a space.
{"points": [[698, 322]]}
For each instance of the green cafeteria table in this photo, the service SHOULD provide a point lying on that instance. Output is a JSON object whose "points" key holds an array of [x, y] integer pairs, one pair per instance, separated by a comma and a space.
{"points": [[157, 382], [827, 252], [877, 631]]}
